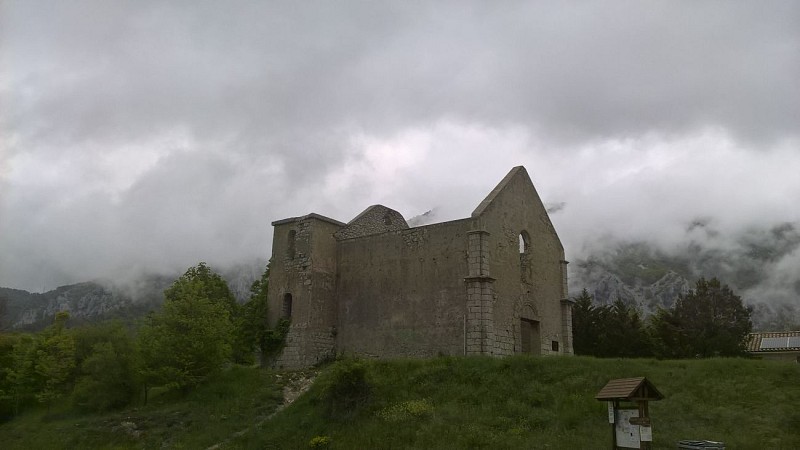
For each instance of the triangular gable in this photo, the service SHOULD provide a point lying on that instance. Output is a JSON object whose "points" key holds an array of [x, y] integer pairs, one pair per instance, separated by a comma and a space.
{"points": [[515, 178], [519, 170]]}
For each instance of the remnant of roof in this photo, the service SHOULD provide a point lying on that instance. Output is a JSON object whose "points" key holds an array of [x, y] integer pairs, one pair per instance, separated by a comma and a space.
{"points": [[773, 341], [374, 220], [638, 388], [308, 216]]}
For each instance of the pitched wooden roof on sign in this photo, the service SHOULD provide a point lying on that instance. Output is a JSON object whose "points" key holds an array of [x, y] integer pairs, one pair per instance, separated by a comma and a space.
{"points": [[638, 388]]}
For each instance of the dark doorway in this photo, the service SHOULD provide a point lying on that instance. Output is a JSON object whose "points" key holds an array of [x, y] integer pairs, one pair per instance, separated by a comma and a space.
{"points": [[529, 334]]}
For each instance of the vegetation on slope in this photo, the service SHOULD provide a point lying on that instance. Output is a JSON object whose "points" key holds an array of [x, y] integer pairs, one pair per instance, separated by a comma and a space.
{"points": [[525, 402], [516, 402], [216, 410]]}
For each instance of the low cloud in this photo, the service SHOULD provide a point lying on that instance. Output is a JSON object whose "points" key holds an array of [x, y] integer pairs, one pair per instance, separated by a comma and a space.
{"points": [[149, 136]]}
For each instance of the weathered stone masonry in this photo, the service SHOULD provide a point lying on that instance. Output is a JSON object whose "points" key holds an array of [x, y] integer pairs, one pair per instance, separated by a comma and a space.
{"points": [[490, 284]]}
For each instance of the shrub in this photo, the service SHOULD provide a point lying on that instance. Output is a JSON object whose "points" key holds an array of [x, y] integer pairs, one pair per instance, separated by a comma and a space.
{"points": [[320, 442], [346, 390], [411, 409]]}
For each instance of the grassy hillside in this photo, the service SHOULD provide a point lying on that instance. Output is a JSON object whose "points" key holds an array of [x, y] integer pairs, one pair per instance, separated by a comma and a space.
{"points": [[517, 402], [212, 413]]}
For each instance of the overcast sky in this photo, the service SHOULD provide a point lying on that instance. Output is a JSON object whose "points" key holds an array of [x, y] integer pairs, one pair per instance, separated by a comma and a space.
{"points": [[153, 135]]}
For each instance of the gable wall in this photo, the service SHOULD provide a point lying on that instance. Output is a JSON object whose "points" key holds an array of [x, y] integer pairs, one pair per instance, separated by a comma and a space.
{"points": [[515, 208], [402, 293]]}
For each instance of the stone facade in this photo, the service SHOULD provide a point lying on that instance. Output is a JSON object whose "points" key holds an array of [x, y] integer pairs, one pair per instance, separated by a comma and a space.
{"points": [[494, 283]]}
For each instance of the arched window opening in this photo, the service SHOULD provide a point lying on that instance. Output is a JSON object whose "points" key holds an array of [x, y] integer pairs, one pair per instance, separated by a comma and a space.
{"points": [[524, 256], [524, 242], [286, 311], [290, 247], [387, 219]]}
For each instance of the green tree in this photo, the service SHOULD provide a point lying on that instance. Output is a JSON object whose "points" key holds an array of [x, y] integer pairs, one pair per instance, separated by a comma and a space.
{"points": [[108, 369], [22, 381], [623, 332], [667, 335], [202, 282], [709, 320], [254, 326], [190, 338], [55, 360], [615, 330], [585, 325]]}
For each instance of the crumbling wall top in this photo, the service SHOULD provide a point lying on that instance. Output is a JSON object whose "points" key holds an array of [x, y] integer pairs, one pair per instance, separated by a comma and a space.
{"points": [[308, 216], [373, 220]]}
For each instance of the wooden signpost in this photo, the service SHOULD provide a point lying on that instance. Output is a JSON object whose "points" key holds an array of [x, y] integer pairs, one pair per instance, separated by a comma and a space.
{"points": [[628, 412]]}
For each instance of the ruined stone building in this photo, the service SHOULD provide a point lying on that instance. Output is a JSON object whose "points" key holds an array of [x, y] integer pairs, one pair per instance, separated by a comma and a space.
{"points": [[494, 283]]}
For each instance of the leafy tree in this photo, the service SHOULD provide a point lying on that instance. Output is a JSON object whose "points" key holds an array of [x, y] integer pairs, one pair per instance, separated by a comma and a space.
{"points": [[190, 338], [55, 360], [202, 282], [8, 343], [22, 381], [710, 320], [254, 326], [667, 335], [108, 370]]}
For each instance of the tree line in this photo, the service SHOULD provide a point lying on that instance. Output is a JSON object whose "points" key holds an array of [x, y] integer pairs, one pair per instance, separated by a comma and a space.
{"points": [[709, 320], [199, 330]]}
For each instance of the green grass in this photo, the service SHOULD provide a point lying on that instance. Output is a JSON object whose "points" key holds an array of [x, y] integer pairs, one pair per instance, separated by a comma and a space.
{"points": [[524, 402], [212, 413], [518, 402]]}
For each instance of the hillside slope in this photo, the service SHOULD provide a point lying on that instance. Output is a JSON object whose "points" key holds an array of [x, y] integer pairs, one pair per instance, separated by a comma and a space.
{"points": [[447, 403], [524, 402]]}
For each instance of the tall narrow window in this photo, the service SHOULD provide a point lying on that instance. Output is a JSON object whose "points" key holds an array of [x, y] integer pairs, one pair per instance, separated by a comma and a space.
{"points": [[290, 245], [524, 242], [286, 311], [524, 256]]}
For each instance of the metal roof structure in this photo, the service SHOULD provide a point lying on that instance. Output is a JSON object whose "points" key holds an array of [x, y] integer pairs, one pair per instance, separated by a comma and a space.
{"points": [[773, 342], [630, 389]]}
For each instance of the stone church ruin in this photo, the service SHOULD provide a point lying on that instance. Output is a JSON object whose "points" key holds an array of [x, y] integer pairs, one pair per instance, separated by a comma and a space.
{"points": [[494, 283]]}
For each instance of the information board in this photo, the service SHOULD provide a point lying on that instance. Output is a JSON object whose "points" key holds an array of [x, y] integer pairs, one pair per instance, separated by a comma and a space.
{"points": [[627, 433]]}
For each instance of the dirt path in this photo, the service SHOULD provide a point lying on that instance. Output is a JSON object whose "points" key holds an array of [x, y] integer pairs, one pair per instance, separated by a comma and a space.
{"points": [[294, 385]]}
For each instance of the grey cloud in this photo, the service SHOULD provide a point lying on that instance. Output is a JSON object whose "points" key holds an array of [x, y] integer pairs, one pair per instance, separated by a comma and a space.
{"points": [[252, 107], [572, 71]]}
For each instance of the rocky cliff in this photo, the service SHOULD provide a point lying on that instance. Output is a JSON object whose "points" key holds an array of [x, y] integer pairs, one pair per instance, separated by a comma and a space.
{"points": [[101, 300], [762, 268]]}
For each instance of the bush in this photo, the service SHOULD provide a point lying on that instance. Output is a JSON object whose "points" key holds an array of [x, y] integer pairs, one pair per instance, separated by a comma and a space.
{"points": [[403, 411], [109, 381], [320, 442], [345, 391]]}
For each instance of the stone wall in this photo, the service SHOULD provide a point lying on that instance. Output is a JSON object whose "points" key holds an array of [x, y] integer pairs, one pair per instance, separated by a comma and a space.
{"points": [[491, 284], [303, 274], [531, 280], [402, 293], [374, 220]]}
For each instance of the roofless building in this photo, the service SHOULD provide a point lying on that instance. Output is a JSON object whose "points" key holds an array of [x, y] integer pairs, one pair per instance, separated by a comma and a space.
{"points": [[494, 283]]}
